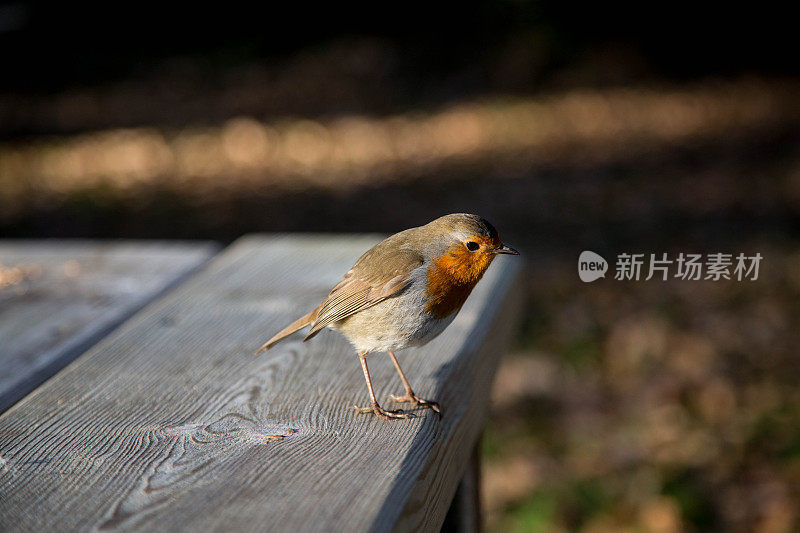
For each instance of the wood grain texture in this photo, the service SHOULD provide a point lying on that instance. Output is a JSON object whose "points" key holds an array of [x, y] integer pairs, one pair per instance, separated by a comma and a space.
{"points": [[57, 298], [172, 423]]}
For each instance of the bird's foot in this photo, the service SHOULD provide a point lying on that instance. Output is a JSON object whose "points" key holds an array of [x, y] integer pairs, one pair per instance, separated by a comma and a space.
{"points": [[383, 413], [419, 402]]}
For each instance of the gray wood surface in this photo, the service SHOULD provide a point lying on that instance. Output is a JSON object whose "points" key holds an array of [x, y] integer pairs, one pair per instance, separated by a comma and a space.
{"points": [[172, 422], [57, 298], [464, 515]]}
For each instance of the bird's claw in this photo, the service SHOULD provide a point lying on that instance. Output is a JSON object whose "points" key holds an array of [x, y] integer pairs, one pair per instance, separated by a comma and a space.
{"points": [[418, 402], [384, 413]]}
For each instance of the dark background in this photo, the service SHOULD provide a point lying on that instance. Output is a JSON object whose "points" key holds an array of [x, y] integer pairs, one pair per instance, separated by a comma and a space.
{"points": [[614, 127], [438, 52]]}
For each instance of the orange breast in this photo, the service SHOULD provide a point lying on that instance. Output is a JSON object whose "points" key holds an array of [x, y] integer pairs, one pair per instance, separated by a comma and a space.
{"points": [[445, 298], [452, 277]]}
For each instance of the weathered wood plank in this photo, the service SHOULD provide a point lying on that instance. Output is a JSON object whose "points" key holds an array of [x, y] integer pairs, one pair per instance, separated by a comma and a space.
{"points": [[168, 422], [57, 298], [464, 515]]}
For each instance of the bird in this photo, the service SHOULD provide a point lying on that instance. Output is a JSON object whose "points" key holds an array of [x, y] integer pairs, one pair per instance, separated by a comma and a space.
{"points": [[402, 293]]}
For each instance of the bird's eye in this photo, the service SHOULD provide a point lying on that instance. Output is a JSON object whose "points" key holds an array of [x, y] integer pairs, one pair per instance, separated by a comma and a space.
{"points": [[472, 246]]}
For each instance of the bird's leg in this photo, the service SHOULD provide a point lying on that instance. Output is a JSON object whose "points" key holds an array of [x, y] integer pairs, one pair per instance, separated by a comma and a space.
{"points": [[375, 408], [410, 396]]}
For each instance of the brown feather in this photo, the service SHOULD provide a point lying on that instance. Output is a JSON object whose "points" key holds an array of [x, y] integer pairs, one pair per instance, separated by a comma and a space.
{"points": [[352, 297], [380, 273], [297, 325]]}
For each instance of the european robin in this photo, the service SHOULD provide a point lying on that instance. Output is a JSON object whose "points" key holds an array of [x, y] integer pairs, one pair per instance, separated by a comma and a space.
{"points": [[403, 292]]}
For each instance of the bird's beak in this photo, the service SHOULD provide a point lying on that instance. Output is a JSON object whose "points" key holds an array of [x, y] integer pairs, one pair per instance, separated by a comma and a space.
{"points": [[506, 250]]}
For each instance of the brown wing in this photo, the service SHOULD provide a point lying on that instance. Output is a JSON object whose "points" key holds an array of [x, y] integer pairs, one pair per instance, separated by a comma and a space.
{"points": [[380, 273]]}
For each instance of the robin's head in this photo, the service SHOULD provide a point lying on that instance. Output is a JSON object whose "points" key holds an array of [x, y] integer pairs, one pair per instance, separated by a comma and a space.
{"points": [[469, 244]]}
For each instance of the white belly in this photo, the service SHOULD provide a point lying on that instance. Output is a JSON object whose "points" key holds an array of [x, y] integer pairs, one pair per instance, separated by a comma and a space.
{"points": [[393, 324]]}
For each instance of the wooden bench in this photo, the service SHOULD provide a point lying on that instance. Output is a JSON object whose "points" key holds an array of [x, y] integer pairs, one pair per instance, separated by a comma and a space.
{"points": [[171, 422], [59, 298]]}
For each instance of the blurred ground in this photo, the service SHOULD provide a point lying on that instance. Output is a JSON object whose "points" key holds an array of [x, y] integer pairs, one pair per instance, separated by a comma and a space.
{"points": [[650, 406], [625, 406]]}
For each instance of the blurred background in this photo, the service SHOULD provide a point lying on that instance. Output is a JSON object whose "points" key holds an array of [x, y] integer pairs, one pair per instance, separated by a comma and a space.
{"points": [[615, 127]]}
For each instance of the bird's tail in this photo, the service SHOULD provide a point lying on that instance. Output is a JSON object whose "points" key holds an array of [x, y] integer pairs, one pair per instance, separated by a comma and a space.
{"points": [[297, 325]]}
